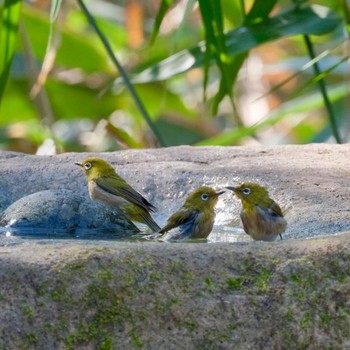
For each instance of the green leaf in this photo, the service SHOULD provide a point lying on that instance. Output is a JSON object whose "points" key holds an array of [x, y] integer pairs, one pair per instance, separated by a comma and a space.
{"points": [[302, 104], [77, 49], [164, 6], [177, 134], [260, 10], [313, 20], [162, 101], [230, 68], [16, 106], [122, 136], [232, 73], [346, 11], [10, 11], [67, 102], [210, 42], [215, 43], [232, 10], [83, 102]]}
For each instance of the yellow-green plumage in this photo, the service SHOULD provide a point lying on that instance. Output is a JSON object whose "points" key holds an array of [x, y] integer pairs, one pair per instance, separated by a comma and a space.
{"points": [[106, 186], [196, 217], [261, 216]]}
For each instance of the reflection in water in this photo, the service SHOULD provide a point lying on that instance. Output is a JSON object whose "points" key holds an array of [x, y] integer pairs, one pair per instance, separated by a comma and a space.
{"points": [[11, 236], [43, 233], [228, 234]]}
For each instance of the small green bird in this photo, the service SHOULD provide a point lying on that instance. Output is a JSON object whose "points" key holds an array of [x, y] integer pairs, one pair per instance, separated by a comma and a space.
{"points": [[195, 219], [106, 186], [261, 216]]}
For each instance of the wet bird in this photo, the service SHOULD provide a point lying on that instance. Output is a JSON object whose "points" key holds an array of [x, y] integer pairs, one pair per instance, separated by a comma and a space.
{"points": [[106, 186], [195, 219], [261, 216]]}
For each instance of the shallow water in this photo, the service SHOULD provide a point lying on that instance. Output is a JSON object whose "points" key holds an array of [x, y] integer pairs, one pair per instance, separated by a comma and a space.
{"points": [[10, 236], [227, 227], [19, 235]]}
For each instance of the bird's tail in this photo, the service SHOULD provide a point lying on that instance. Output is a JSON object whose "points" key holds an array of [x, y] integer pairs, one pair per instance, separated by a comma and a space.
{"points": [[139, 214], [148, 220]]}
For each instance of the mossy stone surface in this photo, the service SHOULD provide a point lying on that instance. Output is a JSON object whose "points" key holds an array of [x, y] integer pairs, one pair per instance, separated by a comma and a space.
{"points": [[283, 295], [290, 294]]}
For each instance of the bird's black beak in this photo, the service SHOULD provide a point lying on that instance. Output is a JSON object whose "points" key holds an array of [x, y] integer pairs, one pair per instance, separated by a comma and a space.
{"points": [[231, 188], [219, 193], [81, 165]]}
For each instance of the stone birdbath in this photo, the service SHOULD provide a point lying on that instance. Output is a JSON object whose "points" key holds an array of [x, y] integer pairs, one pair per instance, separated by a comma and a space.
{"points": [[72, 276]]}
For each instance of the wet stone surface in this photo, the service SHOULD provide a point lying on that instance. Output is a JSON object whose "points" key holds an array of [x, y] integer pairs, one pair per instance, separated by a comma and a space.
{"points": [[62, 213], [309, 182], [238, 294]]}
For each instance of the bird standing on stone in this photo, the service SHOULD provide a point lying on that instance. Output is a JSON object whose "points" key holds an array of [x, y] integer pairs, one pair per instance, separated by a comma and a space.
{"points": [[106, 186], [195, 219], [261, 216]]}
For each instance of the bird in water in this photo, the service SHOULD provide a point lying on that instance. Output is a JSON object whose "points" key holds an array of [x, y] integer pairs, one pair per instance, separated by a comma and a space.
{"points": [[261, 216], [106, 186], [195, 219]]}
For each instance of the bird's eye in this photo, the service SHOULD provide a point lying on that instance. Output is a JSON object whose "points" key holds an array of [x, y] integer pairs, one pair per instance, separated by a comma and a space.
{"points": [[87, 166], [204, 197], [246, 191]]}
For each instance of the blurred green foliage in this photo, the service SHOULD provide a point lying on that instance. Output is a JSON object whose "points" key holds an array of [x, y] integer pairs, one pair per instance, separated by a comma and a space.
{"points": [[200, 72]]}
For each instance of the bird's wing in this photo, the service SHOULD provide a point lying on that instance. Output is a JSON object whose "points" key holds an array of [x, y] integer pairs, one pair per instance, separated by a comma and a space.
{"points": [[275, 209], [124, 190], [179, 218]]}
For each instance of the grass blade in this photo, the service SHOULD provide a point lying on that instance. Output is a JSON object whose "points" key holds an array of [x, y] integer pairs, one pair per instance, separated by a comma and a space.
{"points": [[164, 6], [323, 90], [10, 12], [123, 74]]}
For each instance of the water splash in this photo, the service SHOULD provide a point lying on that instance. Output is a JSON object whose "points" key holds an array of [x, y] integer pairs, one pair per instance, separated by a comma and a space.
{"points": [[226, 234]]}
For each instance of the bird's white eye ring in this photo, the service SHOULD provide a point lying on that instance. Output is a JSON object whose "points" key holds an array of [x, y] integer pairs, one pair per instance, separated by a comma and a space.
{"points": [[246, 191], [204, 197], [87, 166]]}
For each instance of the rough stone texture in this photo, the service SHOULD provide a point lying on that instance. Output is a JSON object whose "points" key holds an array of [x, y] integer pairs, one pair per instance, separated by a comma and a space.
{"points": [[64, 213], [282, 295], [290, 294], [311, 181]]}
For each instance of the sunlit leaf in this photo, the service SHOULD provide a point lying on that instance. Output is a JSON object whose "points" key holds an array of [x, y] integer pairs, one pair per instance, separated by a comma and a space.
{"points": [[232, 73], [232, 11], [211, 47], [302, 104], [122, 136], [15, 105], [260, 10], [164, 6], [215, 44], [313, 20]]}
